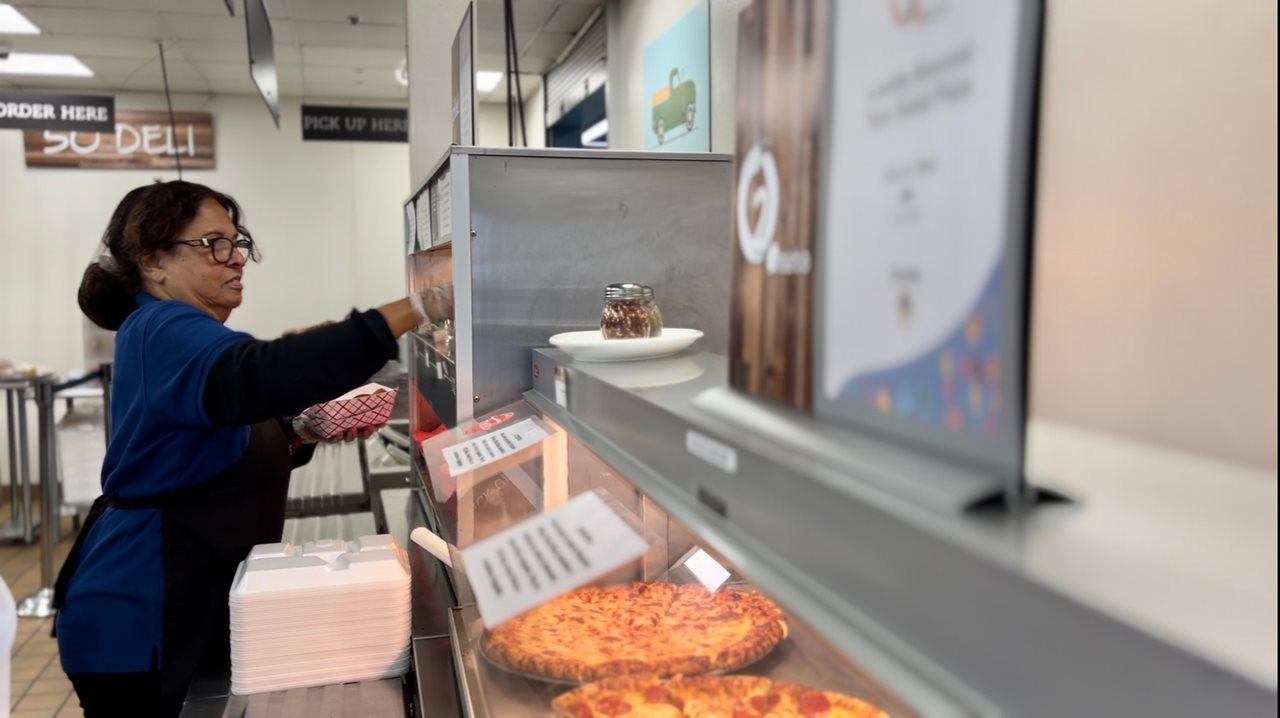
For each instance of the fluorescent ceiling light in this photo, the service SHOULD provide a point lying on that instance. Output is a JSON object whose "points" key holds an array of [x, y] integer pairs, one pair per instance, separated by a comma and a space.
{"points": [[486, 81], [21, 63], [13, 23], [593, 135]]}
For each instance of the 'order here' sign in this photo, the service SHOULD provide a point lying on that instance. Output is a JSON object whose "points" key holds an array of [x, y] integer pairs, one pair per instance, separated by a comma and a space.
{"points": [[43, 111]]}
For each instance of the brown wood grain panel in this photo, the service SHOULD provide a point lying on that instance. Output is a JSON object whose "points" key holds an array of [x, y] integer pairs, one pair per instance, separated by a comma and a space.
{"points": [[782, 51], [139, 142]]}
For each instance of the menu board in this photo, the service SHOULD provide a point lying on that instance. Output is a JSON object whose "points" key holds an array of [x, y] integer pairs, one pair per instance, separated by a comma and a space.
{"points": [[442, 208], [410, 228], [422, 207], [925, 222]]}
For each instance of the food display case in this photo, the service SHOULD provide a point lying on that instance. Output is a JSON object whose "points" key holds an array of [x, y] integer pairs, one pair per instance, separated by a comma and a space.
{"points": [[474, 505], [886, 600]]}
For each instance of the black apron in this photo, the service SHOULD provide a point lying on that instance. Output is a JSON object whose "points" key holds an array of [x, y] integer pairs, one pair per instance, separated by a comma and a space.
{"points": [[207, 530]]}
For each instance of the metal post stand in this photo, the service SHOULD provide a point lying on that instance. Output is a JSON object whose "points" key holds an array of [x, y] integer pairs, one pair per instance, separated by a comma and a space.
{"points": [[21, 524], [40, 603]]}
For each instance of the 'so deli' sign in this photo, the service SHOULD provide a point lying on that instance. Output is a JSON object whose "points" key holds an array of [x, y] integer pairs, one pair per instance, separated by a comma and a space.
{"points": [[141, 140]]}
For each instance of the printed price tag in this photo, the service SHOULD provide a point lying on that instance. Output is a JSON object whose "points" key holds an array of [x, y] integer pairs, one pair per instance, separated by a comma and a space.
{"points": [[540, 558], [718, 454], [562, 387], [474, 453]]}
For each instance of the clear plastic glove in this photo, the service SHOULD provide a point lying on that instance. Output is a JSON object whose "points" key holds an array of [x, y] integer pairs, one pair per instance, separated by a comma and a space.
{"points": [[358, 434], [302, 426], [432, 305]]}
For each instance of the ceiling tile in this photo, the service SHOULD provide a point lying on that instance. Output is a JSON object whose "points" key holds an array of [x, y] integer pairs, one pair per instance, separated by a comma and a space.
{"points": [[348, 75], [284, 32], [546, 45], [125, 47], [231, 70], [155, 84], [276, 9], [197, 27], [385, 12], [343, 35], [117, 68], [232, 87], [351, 57], [194, 7], [569, 17], [87, 84], [93, 4], [199, 51], [100, 23], [530, 14]]}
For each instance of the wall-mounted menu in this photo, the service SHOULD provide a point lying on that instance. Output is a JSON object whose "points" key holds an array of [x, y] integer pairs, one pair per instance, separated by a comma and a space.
{"points": [[422, 206], [410, 227], [441, 191]]}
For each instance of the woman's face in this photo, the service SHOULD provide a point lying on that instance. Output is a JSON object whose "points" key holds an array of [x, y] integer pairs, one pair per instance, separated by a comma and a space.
{"points": [[190, 273]]}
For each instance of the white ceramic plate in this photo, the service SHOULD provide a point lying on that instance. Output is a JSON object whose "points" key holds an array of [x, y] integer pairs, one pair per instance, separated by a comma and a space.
{"points": [[592, 346]]}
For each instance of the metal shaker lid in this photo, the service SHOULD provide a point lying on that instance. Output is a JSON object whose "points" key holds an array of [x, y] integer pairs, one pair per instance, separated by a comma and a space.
{"points": [[628, 290]]}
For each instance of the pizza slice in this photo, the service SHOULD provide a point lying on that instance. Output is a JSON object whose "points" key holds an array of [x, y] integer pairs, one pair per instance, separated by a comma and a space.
{"points": [[624, 696], [796, 700], [718, 696]]}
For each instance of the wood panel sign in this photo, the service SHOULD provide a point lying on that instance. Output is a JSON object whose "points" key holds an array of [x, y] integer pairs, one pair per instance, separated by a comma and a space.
{"points": [[141, 140], [782, 87]]}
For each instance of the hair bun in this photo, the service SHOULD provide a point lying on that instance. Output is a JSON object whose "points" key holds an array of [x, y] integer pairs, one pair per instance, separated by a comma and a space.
{"points": [[105, 297]]}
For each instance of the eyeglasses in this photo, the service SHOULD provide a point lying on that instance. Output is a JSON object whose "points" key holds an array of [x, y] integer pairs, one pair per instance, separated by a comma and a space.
{"points": [[222, 247]]}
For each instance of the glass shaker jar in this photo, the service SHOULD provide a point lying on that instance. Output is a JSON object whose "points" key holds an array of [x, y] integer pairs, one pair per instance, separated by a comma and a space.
{"points": [[630, 312]]}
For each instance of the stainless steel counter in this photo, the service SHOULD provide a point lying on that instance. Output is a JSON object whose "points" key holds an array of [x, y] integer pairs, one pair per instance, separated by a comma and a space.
{"points": [[994, 608]]}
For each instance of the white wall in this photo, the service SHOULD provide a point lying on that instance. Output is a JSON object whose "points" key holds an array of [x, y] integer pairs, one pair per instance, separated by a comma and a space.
{"points": [[327, 215], [1155, 304], [491, 122], [432, 25], [633, 24]]}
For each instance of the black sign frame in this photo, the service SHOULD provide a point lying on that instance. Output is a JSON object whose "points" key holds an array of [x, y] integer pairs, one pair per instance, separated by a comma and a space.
{"points": [[358, 124], [21, 110]]}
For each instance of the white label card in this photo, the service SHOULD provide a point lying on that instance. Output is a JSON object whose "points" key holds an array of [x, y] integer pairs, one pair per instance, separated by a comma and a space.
{"points": [[538, 559], [562, 387], [474, 453], [718, 454]]}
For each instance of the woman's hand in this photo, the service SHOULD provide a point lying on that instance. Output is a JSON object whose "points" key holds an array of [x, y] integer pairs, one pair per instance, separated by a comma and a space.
{"points": [[419, 310], [305, 430], [358, 434]]}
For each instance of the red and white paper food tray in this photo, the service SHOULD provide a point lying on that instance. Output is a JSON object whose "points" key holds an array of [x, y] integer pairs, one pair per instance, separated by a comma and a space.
{"points": [[369, 405]]}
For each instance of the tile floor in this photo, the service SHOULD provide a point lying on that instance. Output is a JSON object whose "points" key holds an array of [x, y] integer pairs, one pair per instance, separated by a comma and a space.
{"points": [[37, 686]]}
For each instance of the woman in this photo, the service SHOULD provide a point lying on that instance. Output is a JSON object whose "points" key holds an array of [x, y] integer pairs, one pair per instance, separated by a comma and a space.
{"points": [[201, 450]]}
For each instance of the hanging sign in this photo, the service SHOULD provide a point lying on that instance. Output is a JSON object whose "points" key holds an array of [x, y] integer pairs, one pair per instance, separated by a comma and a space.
{"points": [[367, 124], [43, 111], [140, 140]]}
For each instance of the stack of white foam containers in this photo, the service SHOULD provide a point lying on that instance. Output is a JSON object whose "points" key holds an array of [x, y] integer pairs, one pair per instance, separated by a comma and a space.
{"points": [[321, 613]]}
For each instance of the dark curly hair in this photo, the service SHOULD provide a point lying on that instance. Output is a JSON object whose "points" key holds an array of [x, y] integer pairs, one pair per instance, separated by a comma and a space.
{"points": [[145, 222]]}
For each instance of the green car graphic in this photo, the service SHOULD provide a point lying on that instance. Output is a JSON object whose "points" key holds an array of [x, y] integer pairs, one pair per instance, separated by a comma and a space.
{"points": [[674, 104]]}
